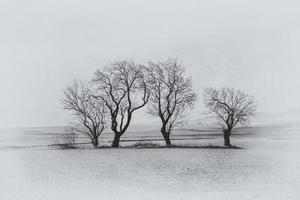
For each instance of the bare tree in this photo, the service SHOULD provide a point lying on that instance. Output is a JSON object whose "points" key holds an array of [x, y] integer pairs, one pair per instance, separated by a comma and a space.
{"points": [[68, 139], [90, 113], [123, 88], [232, 107], [171, 94]]}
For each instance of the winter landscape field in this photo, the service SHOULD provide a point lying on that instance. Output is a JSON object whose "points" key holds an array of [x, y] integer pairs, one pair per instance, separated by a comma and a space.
{"points": [[267, 166], [150, 100]]}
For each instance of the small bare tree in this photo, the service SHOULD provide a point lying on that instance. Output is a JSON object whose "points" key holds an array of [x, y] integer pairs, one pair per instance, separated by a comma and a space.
{"points": [[123, 88], [171, 94], [90, 113], [68, 139], [232, 107]]}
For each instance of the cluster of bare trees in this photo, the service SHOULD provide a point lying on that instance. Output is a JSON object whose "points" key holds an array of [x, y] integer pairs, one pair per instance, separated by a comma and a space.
{"points": [[111, 98]]}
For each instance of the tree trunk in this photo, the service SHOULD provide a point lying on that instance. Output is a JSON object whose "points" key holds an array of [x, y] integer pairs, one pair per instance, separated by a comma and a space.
{"points": [[227, 134], [166, 136], [116, 140], [95, 142], [168, 141]]}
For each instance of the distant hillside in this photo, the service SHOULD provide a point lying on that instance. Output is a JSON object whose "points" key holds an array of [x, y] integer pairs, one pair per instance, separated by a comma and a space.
{"points": [[289, 117]]}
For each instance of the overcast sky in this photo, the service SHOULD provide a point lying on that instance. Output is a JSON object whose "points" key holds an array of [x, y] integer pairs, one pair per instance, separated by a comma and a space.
{"points": [[251, 45]]}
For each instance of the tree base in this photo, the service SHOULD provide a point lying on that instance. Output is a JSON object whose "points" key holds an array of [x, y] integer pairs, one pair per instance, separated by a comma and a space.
{"points": [[116, 141]]}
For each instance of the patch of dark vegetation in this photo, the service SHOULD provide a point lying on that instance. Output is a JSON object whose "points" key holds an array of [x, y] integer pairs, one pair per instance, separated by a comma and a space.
{"points": [[205, 147], [150, 145], [82, 145], [144, 145], [161, 139], [65, 146]]}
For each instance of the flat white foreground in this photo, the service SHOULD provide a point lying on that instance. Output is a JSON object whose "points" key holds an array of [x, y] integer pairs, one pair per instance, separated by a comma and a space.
{"points": [[268, 168]]}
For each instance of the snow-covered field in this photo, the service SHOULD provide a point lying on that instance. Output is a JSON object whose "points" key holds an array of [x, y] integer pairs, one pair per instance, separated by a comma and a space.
{"points": [[267, 167]]}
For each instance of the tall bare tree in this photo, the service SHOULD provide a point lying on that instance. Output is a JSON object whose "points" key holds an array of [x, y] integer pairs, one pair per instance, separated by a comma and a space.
{"points": [[171, 94], [232, 107], [90, 113], [123, 88]]}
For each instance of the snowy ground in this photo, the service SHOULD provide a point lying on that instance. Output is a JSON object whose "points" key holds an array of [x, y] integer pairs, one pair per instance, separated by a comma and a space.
{"points": [[267, 168]]}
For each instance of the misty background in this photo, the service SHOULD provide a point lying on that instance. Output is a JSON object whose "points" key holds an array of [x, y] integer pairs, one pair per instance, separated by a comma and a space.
{"points": [[250, 45]]}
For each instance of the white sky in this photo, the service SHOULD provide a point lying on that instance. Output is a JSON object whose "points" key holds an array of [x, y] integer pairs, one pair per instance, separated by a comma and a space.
{"points": [[251, 45]]}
